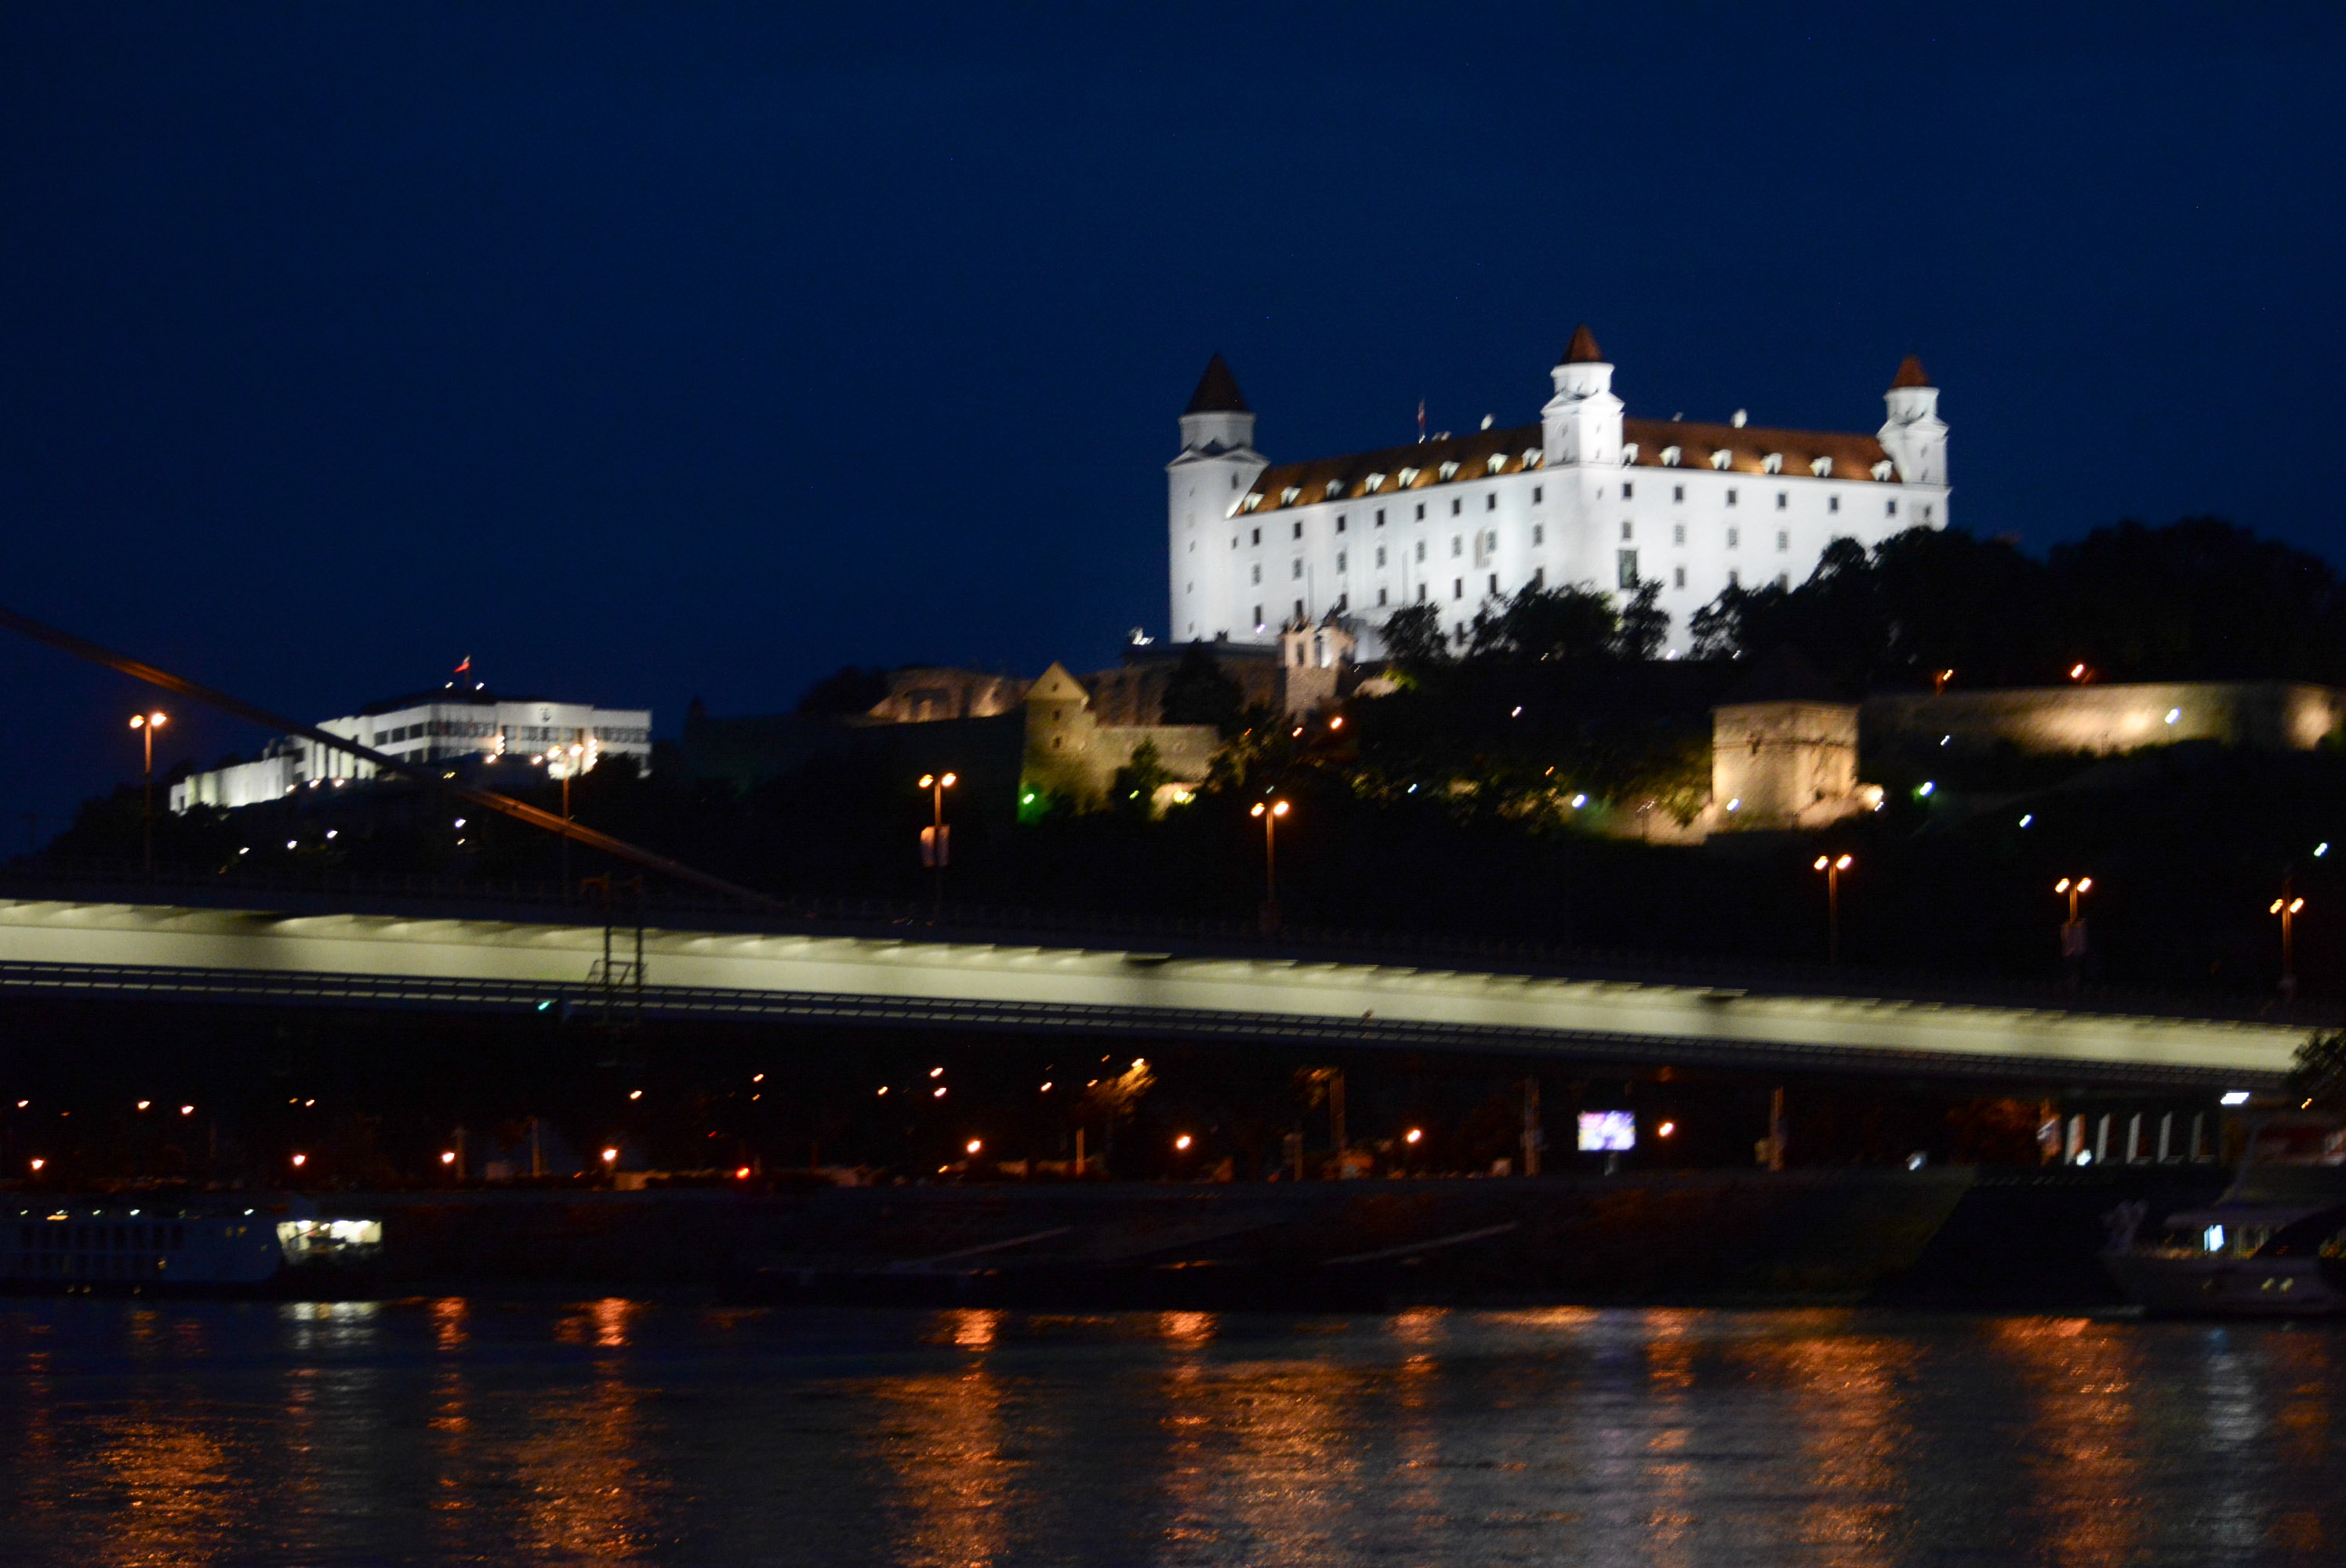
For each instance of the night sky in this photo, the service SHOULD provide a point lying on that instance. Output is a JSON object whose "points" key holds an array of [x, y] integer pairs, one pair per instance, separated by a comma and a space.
{"points": [[665, 350]]}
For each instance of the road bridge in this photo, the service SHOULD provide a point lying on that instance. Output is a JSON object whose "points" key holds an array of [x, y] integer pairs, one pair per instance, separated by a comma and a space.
{"points": [[120, 951]]}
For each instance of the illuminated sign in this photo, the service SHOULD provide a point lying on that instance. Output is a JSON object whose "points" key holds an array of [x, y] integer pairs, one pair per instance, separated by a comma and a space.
{"points": [[1608, 1130]]}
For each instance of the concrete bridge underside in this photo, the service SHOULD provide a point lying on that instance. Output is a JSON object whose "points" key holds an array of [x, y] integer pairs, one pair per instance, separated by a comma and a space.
{"points": [[116, 952]]}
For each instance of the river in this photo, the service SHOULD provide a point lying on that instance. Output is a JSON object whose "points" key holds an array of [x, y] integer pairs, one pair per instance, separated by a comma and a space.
{"points": [[682, 1431]]}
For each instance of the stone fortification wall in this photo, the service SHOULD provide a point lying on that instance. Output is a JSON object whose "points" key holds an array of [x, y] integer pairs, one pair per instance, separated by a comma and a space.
{"points": [[2265, 716], [1780, 763]]}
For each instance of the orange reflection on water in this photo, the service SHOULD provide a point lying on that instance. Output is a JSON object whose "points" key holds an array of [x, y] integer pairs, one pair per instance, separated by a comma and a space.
{"points": [[940, 1440], [175, 1499], [2080, 1376], [581, 1479], [449, 1315], [1852, 1430]]}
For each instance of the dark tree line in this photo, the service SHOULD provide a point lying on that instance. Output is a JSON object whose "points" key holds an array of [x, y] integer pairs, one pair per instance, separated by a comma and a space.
{"points": [[2200, 600]]}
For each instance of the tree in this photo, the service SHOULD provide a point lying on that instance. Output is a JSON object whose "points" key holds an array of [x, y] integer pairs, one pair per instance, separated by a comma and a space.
{"points": [[1642, 626], [1414, 638], [1133, 790], [1546, 625], [1201, 692]]}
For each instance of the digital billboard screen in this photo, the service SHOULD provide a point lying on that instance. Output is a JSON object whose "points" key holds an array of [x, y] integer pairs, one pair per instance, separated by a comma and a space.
{"points": [[1608, 1130]]}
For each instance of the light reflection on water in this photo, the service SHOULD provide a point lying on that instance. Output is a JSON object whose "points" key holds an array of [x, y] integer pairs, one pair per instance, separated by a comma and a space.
{"points": [[614, 1430]]}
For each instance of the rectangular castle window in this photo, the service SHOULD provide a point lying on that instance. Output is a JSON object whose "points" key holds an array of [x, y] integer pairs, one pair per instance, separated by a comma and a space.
{"points": [[1421, 549], [1539, 533], [1539, 578], [1457, 545], [1628, 530], [1678, 534], [1734, 537], [1832, 502], [1780, 501], [1495, 583], [1339, 560], [1421, 511], [1536, 489], [1627, 490], [1339, 522], [1258, 536], [1420, 593], [1457, 587], [1889, 509], [1295, 568], [1381, 516], [1381, 598], [1624, 568], [1733, 581], [1679, 576], [1258, 573], [1730, 498], [1381, 554], [1783, 539], [1299, 528], [1454, 505], [1677, 491]]}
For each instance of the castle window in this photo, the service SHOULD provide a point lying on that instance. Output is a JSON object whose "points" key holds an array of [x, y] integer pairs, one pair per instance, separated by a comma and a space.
{"points": [[1409, 476], [1376, 483], [1457, 545], [1421, 511], [1498, 460], [1258, 618], [1448, 471], [1335, 488], [1721, 457], [1454, 505], [1234, 482], [1381, 598], [1783, 539], [1536, 489], [1628, 530], [1289, 496], [1678, 534], [1298, 609], [1627, 490], [1832, 502], [1734, 537], [1457, 587], [1730, 497], [1258, 536], [1889, 509], [1884, 469], [1782, 501], [1339, 560], [1671, 455], [1381, 516], [1532, 457], [1783, 582], [1495, 584], [1421, 549], [1624, 568], [1679, 577], [1629, 454], [1491, 502], [1339, 522], [1258, 573], [1677, 491], [1343, 603], [1539, 578], [1295, 569], [1539, 533], [1822, 467], [1732, 580], [1927, 512], [1381, 554], [1420, 593], [1772, 463], [1299, 529]]}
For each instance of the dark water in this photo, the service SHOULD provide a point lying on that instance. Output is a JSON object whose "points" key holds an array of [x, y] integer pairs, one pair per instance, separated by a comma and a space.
{"points": [[610, 1430]]}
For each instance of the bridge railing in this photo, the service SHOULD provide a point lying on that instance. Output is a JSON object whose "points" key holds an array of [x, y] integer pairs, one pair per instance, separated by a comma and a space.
{"points": [[414, 895]]}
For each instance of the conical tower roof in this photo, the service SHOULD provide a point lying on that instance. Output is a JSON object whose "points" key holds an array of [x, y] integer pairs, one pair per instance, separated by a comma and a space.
{"points": [[1583, 348], [1217, 391], [1910, 374]]}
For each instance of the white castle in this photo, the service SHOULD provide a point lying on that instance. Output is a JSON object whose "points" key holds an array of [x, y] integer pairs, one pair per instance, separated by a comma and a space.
{"points": [[1586, 496]]}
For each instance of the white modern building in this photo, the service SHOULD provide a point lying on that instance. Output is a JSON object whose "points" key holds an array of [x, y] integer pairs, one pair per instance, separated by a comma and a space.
{"points": [[1586, 496], [470, 728]]}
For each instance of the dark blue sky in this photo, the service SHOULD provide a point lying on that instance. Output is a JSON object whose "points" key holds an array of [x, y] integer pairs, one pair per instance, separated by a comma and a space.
{"points": [[651, 351]]}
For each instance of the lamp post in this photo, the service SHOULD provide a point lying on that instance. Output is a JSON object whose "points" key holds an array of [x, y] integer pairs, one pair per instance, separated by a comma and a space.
{"points": [[2073, 929], [1832, 866], [2288, 906], [147, 724], [937, 839], [1271, 811]]}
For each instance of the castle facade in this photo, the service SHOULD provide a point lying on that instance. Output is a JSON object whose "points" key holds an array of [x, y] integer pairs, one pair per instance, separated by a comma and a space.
{"points": [[1587, 496]]}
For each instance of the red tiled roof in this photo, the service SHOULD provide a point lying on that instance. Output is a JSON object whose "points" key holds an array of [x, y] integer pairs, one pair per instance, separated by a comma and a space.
{"points": [[1747, 448], [1910, 374], [1583, 348]]}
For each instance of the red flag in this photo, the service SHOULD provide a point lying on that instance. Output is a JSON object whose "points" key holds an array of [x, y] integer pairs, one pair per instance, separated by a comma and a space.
{"points": [[1421, 419], [465, 666]]}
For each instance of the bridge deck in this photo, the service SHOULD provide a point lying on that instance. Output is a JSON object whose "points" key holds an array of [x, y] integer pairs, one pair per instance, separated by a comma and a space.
{"points": [[130, 951]]}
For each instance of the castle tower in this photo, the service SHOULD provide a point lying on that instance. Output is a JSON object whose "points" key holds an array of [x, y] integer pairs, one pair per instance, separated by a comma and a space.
{"points": [[1915, 436], [1582, 422], [1204, 485]]}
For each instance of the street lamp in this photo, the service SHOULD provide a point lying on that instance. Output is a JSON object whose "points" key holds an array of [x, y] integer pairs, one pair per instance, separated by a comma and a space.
{"points": [[1271, 811], [2288, 906], [147, 724], [2073, 929], [1832, 866], [937, 839]]}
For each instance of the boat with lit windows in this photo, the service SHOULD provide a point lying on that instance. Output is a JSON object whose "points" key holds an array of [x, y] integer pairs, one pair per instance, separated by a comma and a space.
{"points": [[210, 1244], [2272, 1245]]}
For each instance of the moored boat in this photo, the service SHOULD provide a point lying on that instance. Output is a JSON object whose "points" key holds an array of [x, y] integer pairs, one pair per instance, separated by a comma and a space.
{"points": [[207, 1244]]}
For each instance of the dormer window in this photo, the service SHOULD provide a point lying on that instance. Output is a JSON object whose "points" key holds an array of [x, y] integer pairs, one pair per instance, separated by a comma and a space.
{"points": [[1720, 458], [1772, 463], [1376, 483], [1629, 454], [1498, 461], [1822, 467], [1448, 471], [1253, 500], [1289, 496], [1409, 476], [1531, 457], [1884, 469], [1335, 488], [1671, 455]]}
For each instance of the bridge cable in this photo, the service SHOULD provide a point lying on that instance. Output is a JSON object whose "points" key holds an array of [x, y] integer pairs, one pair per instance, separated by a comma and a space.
{"points": [[486, 799]]}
